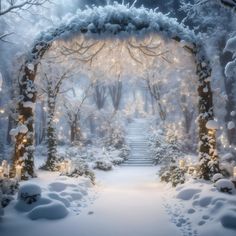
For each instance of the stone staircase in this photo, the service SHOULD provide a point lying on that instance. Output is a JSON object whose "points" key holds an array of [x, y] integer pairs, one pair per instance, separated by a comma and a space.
{"points": [[137, 141]]}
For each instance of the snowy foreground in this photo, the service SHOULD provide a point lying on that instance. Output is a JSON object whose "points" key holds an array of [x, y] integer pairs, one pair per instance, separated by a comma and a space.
{"points": [[127, 201]]}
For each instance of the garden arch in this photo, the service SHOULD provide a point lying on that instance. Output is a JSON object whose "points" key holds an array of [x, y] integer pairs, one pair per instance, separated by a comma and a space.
{"points": [[106, 22]]}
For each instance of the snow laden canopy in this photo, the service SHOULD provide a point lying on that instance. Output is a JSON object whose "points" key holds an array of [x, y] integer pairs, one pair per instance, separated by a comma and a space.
{"points": [[125, 26], [113, 20]]}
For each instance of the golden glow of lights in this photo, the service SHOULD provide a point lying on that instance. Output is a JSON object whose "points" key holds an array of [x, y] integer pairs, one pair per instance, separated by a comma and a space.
{"points": [[18, 172], [182, 164], [234, 174], [1, 172]]}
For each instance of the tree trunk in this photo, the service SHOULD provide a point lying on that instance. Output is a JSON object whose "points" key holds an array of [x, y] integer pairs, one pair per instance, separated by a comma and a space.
{"points": [[76, 134], [209, 163], [24, 146], [51, 132]]}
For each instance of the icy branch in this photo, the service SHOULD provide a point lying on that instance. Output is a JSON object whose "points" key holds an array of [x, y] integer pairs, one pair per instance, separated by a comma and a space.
{"points": [[14, 6]]}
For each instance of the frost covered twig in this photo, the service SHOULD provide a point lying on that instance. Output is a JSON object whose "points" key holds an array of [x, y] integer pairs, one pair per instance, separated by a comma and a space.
{"points": [[7, 6]]}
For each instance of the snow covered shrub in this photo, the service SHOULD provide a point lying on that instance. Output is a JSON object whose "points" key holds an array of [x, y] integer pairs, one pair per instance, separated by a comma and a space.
{"points": [[217, 177], [82, 169], [117, 161], [103, 165], [114, 134], [226, 168], [8, 187], [114, 138], [29, 193], [172, 174], [163, 149], [124, 152], [53, 166], [117, 156], [225, 185]]}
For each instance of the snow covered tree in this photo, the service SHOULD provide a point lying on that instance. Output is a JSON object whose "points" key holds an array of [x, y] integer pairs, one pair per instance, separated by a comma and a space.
{"points": [[52, 90], [100, 94], [154, 87], [16, 7], [115, 90], [209, 161], [230, 74], [201, 15], [73, 110]]}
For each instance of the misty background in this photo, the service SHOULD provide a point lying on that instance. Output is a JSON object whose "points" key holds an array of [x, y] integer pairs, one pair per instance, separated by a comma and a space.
{"points": [[23, 27]]}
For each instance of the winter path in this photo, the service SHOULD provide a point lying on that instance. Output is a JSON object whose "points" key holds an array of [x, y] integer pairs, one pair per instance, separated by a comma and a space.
{"points": [[137, 140], [129, 202]]}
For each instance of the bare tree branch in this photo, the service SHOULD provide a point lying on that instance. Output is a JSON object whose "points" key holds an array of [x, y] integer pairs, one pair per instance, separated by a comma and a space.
{"points": [[13, 6], [85, 51], [2, 37]]}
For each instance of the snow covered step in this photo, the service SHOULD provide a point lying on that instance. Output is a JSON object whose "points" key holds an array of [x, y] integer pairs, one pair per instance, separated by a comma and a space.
{"points": [[139, 155], [139, 159], [137, 141], [136, 165]]}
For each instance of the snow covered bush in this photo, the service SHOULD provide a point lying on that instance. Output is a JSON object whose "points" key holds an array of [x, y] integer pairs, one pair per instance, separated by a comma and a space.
{"points": [[114, 138], [172, 174], [29, 193], [226, 168], [117, 156], [54, 166], [82, 169], [225, 185], [124, 152], [8, 188], [163, 149], [103, 165], [217, 177]]}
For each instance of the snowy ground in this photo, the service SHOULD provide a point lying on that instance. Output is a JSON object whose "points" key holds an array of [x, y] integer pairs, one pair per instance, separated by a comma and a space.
{"points": [[127, 201], [199, 209]]}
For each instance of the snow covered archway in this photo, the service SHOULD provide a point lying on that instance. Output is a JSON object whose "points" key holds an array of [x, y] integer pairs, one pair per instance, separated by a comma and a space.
{"points": [[114, 21]]}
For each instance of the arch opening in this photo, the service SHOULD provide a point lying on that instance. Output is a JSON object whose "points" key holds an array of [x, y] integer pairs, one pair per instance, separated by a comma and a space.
{"points": [[132, 31]]}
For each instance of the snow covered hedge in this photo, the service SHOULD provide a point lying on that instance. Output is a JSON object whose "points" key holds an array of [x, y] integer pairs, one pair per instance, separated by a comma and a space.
{"points": [[163, 149], [172, 174]]}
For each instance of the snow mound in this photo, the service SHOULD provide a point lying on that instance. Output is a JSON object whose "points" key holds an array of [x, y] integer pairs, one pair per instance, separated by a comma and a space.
{"points": [[230, 69], [229, 220], [209, 212], [225, 185], [22, 206], [187, 194], [212, 124], [29, 193], [57, 197], [57, 186], [52, 211], [217, 177], [231, 45], [205, 201]]}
